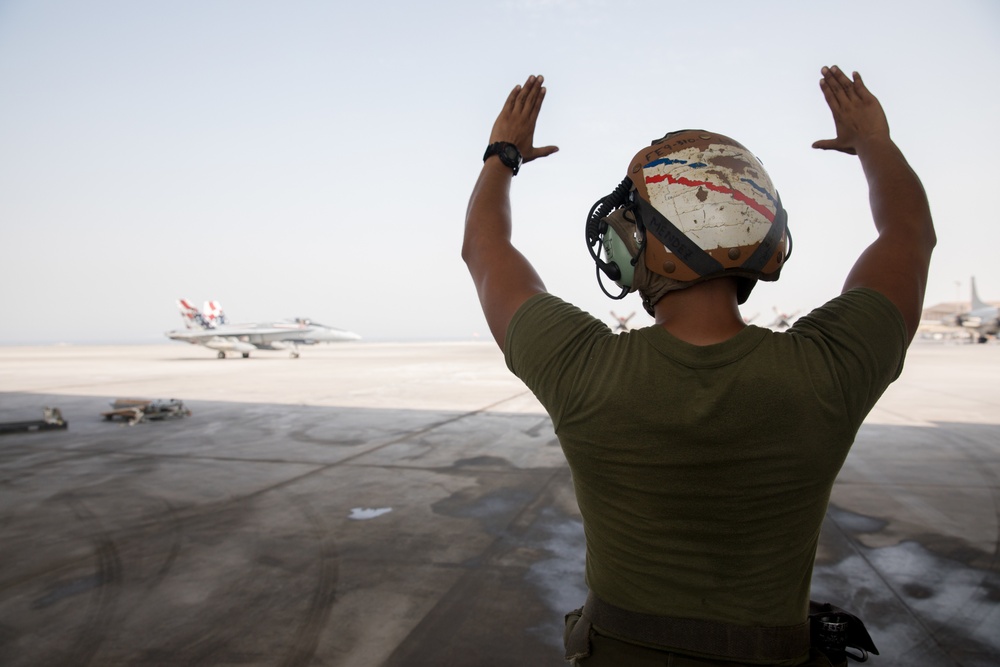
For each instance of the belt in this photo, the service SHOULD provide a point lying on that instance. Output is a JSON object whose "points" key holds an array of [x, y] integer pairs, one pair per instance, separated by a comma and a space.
{"points": [[745, 643]]}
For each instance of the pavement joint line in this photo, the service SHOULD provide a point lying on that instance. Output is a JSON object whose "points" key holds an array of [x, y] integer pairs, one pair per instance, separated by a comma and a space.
{"points": [[431, 427], [394, 441]]}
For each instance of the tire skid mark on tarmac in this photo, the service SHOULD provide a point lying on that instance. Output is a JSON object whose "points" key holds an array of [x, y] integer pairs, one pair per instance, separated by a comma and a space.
{"points": [[213, 642], [236, 603], [101, 605], [216, 641], [175, 545], [217, 644], [308, 634]]}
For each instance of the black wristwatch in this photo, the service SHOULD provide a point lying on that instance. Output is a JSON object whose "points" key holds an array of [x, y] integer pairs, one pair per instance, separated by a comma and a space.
{"points": [[508, 153]]}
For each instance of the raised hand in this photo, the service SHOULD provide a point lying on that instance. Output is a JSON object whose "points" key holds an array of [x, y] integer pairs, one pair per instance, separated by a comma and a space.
{"points": [[857, 114], [516, 122]]}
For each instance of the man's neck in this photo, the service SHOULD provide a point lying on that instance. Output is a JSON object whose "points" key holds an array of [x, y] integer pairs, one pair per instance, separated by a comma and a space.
{"points": [[703, 314]]}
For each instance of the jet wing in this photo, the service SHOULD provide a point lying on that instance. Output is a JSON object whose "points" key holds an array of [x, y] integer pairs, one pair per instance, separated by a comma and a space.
{"points": [[192, 335]]}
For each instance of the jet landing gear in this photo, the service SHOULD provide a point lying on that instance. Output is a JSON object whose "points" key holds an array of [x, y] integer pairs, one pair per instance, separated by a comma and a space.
{"points": [[221, 354], [246, 355]]}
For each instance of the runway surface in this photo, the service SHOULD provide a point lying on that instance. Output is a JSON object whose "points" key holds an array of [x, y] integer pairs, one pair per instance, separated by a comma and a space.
{"points": [[382, 504]]}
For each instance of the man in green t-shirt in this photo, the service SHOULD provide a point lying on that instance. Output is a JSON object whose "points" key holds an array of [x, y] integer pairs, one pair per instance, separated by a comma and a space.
{"points": [[703, 450]]}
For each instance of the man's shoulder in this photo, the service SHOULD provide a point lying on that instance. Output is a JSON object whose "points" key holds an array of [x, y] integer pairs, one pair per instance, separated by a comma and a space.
{"points": [[547, 310], [860, 304], [860, 327]]}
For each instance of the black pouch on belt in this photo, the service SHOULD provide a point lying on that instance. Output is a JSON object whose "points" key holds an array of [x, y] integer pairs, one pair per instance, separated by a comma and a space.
{"points": [[838, 634]]}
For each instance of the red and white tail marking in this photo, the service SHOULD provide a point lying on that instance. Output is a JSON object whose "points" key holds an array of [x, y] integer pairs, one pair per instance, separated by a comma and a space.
{"points": [[213, 313]]}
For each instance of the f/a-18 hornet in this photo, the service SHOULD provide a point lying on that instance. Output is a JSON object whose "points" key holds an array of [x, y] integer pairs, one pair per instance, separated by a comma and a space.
{"points": [[210, 328]]}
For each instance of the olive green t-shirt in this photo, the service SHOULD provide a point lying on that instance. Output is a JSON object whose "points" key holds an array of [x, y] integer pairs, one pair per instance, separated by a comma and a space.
{"points": [[703, 473]]}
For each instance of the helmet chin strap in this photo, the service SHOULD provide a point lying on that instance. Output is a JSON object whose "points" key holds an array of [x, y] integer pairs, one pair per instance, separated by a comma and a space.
{"points": [[674, 239], [769, 245]]}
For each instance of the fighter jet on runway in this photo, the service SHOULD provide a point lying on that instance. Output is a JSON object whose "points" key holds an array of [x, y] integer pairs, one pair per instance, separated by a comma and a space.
{"points": [[983, 319], [210, 328]]}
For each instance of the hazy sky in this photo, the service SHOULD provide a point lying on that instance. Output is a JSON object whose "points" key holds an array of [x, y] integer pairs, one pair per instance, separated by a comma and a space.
{"points": [[316, 158]]}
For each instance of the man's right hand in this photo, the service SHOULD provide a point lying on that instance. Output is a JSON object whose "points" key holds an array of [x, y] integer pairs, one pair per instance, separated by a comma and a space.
{"points": [[857, 114], [896, 263]]}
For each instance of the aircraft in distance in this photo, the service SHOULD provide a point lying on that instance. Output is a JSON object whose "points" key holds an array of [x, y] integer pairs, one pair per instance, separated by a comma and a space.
{"points": [[211, 328], [983, 319], [622, 321], [782, 320]]}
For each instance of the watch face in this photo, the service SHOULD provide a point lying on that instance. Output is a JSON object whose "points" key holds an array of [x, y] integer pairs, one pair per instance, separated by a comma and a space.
{"points": [[507, 153]]}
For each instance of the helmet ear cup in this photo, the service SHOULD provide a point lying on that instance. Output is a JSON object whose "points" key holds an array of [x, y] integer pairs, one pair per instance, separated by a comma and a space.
{"points": [[606, 224], [618, 266], [623, 245]]}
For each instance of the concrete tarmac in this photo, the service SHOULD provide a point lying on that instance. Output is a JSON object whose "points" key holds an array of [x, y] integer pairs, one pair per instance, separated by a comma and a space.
{"points": [[383, 504]]}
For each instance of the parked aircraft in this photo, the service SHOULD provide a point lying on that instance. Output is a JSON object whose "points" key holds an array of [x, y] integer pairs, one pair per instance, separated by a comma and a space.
{"points": [[983, 318], [211, 328]]}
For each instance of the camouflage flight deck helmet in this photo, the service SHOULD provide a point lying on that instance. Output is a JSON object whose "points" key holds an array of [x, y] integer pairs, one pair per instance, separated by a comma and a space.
{"points": [[696, 205]]}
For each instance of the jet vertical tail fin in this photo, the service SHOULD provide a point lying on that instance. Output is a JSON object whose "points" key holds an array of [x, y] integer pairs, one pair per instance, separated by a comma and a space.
{"points": [[213, 314], [192, 317], [977, 303]]}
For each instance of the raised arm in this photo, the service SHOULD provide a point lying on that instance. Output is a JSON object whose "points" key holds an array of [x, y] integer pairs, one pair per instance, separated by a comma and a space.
{"points": [[504, 278], [896, 263]]}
